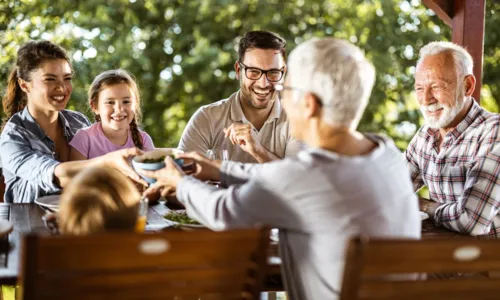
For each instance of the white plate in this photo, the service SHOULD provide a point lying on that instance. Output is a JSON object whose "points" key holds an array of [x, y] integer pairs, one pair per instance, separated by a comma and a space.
{"points": [[51, 202], [423, 216], [184, 226]]}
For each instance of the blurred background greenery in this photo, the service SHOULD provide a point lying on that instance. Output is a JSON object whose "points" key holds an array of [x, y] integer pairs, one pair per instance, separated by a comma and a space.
{"points": [[182, 51]]}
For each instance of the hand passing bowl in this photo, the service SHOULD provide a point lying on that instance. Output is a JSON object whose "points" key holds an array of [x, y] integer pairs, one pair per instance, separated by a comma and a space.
{"points": [[155, 160]]}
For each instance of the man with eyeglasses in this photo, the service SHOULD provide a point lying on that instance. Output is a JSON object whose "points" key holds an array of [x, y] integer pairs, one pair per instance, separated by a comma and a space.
{"points": [[251, 124]]}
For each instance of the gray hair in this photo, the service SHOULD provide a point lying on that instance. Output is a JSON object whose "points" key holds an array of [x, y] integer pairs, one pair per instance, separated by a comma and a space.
{"points": [[338, 73], [462, 59]]}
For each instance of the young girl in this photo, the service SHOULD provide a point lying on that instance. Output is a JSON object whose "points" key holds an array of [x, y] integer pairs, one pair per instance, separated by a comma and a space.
{"points": [[114, 99], [98, 200], [34, 146]]}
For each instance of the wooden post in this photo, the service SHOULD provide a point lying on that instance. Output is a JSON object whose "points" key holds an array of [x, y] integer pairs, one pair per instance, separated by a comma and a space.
{"points": [[468, 31]]}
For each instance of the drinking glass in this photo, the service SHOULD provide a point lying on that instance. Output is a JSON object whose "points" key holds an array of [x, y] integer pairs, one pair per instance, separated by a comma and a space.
{"points": [[217, 154], [140, 225]]}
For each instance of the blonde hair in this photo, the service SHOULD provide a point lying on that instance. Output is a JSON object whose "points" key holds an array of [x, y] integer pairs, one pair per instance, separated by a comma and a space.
{"points": [[114, 77], [98, 200]]}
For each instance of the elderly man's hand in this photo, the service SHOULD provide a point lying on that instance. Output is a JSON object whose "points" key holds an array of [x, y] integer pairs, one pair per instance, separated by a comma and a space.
{"points": [[244, 136], [167, 178], [119, 160], [428, 206], [203, 169]]}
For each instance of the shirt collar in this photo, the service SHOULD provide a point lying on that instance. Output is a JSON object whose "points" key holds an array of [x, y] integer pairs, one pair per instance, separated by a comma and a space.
{"points": [[30, 123], [470, 117], [237, 114]]}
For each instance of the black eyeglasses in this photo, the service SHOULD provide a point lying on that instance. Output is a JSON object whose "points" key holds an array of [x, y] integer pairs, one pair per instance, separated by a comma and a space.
{"points": [[273, 75], [280, 88]]}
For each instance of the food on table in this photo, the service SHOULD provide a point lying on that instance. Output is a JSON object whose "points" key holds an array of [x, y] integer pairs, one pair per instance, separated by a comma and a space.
{"points": [[180, 218], [157, 160]]}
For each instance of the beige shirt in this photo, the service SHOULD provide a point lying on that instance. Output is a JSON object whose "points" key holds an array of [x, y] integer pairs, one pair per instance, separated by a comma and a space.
{"points": [[205, 131]]}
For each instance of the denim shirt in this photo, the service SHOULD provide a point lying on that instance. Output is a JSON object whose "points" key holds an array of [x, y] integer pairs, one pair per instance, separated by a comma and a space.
{"points": [[28, 156]]}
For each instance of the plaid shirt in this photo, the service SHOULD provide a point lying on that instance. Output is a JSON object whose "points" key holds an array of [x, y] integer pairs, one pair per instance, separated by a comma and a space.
{"points": [[464, 175]]}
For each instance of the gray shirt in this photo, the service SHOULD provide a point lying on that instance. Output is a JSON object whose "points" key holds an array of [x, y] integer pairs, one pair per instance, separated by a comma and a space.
{"points": [[28, 155], [205, 130], [318, 200]]}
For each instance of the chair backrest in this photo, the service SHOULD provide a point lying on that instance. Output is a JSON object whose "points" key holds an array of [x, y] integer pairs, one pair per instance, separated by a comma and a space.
{"points": [[381, 268], [168, 265]]}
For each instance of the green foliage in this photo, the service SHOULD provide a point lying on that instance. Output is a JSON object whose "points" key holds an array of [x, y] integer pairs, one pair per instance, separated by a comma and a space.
{"points": [[183, 52]]}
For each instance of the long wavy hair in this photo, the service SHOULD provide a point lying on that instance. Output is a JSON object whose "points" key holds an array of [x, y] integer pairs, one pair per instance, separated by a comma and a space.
{"points": [[114, 77], [30, 57]]}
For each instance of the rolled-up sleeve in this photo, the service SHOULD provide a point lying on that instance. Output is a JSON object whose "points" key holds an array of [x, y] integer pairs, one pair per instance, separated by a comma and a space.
{"points": [[475, 209], [34, 166]]}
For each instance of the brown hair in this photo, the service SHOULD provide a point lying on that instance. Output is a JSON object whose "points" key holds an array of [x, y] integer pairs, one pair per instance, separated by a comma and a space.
{"points": [[29, 58], [261, 40], [98, 200], [114, 77]]}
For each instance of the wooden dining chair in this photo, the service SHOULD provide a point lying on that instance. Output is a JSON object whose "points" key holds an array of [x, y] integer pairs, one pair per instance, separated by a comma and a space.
{"points": [[402, 269], [168, 265]]}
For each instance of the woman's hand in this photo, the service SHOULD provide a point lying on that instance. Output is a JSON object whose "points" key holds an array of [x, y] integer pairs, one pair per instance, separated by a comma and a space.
{"points": [[204, 169]]}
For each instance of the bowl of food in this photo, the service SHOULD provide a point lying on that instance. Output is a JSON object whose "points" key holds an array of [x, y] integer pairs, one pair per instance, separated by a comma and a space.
{"points": [[180, 219], [155, 160]]}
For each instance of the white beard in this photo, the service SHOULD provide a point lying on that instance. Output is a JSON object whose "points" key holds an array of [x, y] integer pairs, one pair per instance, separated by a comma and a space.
{"points": [[447, 115]]}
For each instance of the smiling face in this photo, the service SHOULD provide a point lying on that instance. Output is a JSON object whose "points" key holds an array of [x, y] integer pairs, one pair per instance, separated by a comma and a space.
{"points": [[259, 93], [116, 105], [50, 86], [439, 92]]}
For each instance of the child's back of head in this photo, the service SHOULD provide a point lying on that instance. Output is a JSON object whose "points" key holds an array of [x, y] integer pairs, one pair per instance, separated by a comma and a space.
{"points": [[98, 200]]}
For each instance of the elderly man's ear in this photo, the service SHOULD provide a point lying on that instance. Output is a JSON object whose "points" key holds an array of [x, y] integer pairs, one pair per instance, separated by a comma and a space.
{"points": [[311, 105], [469, 85]]}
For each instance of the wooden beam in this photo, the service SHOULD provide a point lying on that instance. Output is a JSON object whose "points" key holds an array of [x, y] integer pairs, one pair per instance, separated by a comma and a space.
{"points": [[468, 31], [442, 8]]}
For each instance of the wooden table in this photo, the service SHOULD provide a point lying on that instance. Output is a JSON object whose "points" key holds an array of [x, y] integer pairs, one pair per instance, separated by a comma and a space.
{"points": [[28, 218]]}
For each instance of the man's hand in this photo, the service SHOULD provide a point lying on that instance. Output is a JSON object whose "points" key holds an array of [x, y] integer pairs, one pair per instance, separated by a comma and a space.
{"points": [[428, 206], [120, 160], [167, 178], [244, 136], [203, 169]]}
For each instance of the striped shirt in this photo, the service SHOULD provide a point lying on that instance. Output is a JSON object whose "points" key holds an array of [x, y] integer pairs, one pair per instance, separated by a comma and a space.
{"points": [[463, 174]]}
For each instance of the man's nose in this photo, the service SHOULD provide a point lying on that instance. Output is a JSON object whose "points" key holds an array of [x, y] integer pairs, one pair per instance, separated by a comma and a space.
{"points": [[263, 82], [427, 97]]}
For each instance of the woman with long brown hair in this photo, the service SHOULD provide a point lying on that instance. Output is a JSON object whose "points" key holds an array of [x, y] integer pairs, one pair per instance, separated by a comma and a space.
{"points": [[34, 145]]}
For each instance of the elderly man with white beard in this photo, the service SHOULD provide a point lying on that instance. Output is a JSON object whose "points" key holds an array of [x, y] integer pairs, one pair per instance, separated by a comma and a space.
{"points": [[456, 154]]}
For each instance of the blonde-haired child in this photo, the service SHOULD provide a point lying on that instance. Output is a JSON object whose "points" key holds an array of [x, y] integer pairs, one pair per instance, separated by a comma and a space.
{"points": [[98, 200]]}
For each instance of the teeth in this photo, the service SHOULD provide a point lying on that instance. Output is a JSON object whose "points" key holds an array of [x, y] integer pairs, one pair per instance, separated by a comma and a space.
{"points": [[58, 98], [261, 94]]}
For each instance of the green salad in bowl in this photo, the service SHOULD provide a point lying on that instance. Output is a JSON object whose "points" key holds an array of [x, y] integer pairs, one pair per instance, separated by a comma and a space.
{"points": [[155, 160], [181, 219]]}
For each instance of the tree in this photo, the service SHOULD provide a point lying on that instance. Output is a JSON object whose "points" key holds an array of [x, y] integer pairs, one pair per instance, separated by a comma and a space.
{"points": [[182, 52]]}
